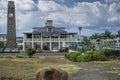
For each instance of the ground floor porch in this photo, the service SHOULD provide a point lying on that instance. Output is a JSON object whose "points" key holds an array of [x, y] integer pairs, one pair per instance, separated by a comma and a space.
{"points": [[49, 45]]}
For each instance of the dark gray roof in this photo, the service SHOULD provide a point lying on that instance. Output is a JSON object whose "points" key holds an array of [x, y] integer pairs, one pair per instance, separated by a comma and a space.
{"points": [[19, 37], [27, 33], [72, 33], [4, 34], [44, 30]]}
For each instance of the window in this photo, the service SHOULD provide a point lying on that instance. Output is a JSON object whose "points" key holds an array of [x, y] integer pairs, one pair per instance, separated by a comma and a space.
{"points": [[49, 29], [29, 35], [36, 36]]}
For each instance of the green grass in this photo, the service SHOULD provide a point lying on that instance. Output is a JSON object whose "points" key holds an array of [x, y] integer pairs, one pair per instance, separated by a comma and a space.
{"points": [[106, 62], [25, 68], [114, 66], [114, 70]]}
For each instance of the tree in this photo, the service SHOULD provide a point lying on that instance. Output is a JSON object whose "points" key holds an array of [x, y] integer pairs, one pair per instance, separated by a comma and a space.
{"points": [[1, 44], [87, 42], [95, 36], [107, 34], [30, 52], [113, 36], [118, 33], [102, 36]]}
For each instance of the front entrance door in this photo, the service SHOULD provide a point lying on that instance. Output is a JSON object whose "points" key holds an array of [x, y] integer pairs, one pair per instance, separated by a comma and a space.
{"points": [[46, 46]]}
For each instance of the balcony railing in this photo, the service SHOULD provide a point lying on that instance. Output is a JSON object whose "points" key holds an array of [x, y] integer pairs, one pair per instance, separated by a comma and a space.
{"points": [[2, 39], [48, 39]]}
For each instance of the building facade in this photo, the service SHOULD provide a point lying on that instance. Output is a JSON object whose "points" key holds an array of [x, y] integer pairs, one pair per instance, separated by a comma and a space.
{"points": [[107, 43], [19, 40], [11, 28], [49, 38]]}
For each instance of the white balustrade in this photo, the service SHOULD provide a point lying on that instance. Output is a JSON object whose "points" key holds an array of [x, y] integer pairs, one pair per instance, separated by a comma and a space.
{"points": [[52, 39]]}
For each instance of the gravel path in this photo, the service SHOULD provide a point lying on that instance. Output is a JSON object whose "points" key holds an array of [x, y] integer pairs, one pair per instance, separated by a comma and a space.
{"points": [[91, 71]]}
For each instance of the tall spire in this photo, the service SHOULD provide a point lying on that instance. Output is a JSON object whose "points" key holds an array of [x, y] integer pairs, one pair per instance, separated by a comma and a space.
{"points": [[11, 25]]}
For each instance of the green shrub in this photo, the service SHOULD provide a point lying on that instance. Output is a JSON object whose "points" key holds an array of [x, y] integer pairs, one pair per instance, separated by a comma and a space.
{"points": [[100, 56], [86, 56], [80, 58], [30, 52], [71, 56], [1, 44], [66, 55]]}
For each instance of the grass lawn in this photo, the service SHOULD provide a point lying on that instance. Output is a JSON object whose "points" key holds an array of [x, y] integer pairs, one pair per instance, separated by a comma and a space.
{"points": [[25, 68], [114, 66]]}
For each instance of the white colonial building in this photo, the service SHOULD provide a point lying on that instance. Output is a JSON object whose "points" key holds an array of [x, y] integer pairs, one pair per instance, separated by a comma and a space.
{"points": [[107, 43], [49, 37]]}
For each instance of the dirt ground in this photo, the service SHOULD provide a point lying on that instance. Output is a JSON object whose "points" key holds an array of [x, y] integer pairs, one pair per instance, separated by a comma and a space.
{"points": [[97, 71]]}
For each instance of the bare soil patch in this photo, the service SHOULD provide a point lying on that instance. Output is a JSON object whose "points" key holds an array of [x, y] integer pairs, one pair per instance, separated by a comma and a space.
{"points": [[98, 70]]}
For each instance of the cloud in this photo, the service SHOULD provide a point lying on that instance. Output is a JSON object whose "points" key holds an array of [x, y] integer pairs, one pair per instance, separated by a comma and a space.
{"points": [[49, 6], [24, 15], [90, 15], [110, 1]]}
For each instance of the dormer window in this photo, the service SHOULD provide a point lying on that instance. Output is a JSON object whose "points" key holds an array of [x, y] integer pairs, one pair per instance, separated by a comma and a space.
{"points": [[49, 29], [49, 26]]}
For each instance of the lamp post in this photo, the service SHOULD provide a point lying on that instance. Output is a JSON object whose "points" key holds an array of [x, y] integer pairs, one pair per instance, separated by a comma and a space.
{"points": [[80, 28], [79, 42]]}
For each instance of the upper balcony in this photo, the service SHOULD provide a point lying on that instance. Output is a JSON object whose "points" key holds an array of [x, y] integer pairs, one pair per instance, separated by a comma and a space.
{"points": [[50, 39], [3, 39]]}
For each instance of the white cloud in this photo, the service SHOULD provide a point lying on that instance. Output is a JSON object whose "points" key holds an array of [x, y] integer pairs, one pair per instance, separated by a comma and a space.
{"points": [[95, 15], [49, 6], [62, 1], [24, 15], [110, 1], [114, 12]]}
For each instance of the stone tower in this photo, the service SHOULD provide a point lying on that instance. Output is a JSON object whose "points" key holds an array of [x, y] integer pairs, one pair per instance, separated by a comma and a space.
{"points": [[11, 25]]}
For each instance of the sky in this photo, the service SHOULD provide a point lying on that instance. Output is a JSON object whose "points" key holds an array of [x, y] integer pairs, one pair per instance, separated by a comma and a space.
{"points": [[94, 16]]}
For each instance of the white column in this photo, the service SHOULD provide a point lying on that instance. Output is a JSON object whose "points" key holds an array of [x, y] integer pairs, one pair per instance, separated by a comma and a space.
{"points": [[63, 44], [41, 42], [24, 42], [23, 46], [59, 41], [50, 43], [32, 40], [68, 40]]}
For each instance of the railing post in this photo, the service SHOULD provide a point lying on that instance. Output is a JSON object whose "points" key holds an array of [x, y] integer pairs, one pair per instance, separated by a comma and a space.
{"points": [[59, 40], [32, 40], [24, 42], [50, 43], [41, 42]]}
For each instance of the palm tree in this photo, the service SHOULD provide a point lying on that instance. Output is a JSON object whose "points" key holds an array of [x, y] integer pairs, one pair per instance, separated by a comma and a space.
{"points": [[87, 42], [113, 36], [106, 34], [118, 33], [102, 36], [95, 36]]}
